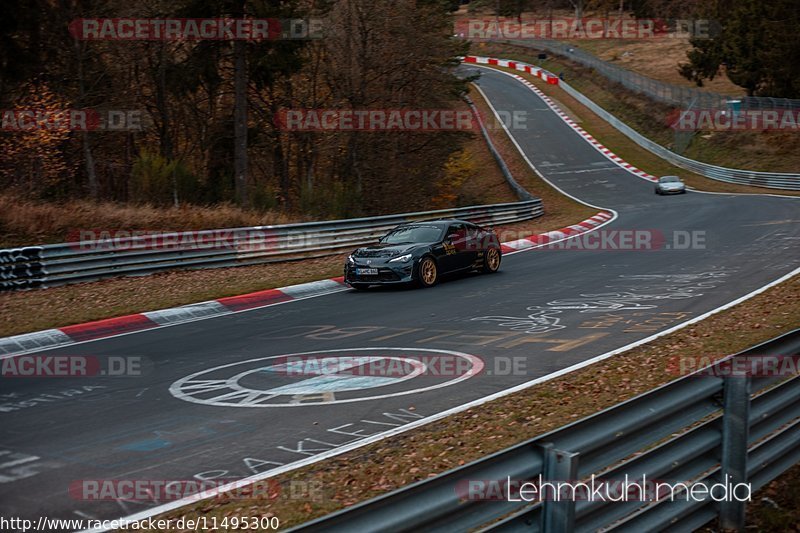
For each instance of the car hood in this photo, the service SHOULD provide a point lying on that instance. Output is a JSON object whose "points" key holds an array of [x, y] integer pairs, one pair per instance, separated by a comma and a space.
{"points": [[671, 185], [385, 250]]}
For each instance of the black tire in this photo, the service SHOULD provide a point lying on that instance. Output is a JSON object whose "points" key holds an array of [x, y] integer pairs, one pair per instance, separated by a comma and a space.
{"points": [[491, 261], [657, 192], [427, 272]]}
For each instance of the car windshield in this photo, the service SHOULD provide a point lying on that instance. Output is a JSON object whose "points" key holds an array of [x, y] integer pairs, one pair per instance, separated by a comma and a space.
{"points": [[670, 179], [413, 234]]}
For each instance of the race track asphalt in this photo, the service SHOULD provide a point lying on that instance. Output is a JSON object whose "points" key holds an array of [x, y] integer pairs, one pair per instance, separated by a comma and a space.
{"points": [[545, 310]]}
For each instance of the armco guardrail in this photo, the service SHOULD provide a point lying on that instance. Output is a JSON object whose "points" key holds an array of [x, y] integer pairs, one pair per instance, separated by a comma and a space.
{"points": [[58, 264], [518, 189], [696, 429], [772, 180]]}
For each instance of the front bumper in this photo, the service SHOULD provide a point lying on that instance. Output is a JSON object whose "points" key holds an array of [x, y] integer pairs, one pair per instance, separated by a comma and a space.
{"points": [[388, 273], [672, 191]]}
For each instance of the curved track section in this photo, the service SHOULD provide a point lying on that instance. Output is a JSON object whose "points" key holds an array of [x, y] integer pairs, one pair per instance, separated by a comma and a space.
{"points": [[219, 399]]}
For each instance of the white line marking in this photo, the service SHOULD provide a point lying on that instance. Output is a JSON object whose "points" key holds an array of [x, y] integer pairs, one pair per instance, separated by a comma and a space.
{"points": [[178, 388], [553, 185], [19, 461], [433, 418], [618, 161], [42, 349], [476, 403], [522, 152]]}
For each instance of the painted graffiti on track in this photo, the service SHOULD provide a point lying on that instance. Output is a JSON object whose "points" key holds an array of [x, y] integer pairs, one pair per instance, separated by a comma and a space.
{"points": [[326, 377], [638, 292]]}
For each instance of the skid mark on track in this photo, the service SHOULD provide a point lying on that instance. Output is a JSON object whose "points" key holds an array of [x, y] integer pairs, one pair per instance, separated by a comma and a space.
{"points": [[644, 292]]}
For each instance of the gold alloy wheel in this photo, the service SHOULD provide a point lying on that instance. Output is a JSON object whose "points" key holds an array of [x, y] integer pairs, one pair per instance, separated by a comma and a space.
{"points": [[427, 271], [493, 259]]}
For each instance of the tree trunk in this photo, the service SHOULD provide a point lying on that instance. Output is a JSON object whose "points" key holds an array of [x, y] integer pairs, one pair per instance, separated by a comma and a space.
{"points": [[240, 114], [89, 162], [165, 138], [285, 184], [88, 159]]}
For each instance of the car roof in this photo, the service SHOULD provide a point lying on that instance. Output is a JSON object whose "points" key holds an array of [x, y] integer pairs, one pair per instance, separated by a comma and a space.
{"points": [[439, 222]]}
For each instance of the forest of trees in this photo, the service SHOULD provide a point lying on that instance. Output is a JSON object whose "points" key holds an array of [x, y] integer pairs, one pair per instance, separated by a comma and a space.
{"points": [[757, 47], [753, 40], [208, 106]]}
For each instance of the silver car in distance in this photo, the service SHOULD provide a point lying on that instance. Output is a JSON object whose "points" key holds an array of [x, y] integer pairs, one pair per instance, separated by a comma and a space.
{"points": [[670, 185]]}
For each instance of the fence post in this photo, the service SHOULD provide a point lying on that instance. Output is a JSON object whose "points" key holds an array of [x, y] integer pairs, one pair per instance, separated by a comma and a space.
{"points": [[735, 434], [558, 516]]}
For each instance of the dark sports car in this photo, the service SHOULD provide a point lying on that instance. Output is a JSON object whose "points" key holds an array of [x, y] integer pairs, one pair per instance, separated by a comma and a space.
{"points": [[420, 252]]}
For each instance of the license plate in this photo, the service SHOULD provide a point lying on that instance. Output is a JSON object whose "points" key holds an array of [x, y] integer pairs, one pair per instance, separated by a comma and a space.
{"points": [[367, 271]]}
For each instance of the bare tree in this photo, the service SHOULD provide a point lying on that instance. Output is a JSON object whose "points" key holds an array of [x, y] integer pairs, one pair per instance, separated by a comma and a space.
{"points": [[240, 113]]}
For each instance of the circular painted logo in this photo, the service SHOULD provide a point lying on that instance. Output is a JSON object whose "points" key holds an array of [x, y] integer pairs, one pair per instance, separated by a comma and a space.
{"points": [[326, 377]]}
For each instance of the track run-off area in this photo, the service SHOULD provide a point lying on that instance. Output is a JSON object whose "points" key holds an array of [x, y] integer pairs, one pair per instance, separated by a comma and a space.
{"points": [[218, 399]]}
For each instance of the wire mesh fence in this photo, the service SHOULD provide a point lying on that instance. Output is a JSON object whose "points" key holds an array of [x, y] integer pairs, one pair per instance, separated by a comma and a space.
{"points": [[772, 180], [659, 91]]}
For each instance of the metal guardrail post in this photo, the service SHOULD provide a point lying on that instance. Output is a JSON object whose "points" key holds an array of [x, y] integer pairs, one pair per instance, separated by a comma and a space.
{"points": [[735, 435], [673, 432], [558, 516]]}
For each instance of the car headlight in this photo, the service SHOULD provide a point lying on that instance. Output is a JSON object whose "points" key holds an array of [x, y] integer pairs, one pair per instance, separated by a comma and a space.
{"points": [[350, 260], [401, 259]]}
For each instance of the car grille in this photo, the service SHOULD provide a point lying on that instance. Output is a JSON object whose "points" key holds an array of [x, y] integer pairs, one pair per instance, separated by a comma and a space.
{"points": [[387, 275]]}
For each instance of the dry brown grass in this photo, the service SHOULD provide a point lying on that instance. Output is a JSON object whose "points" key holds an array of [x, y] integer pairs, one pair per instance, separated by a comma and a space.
{"points": [[453, 441], [657, 59], [560, 210], [632, 152], [487, 184], [26, 311], [774, 507], [25, 222], [755, 150]]}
